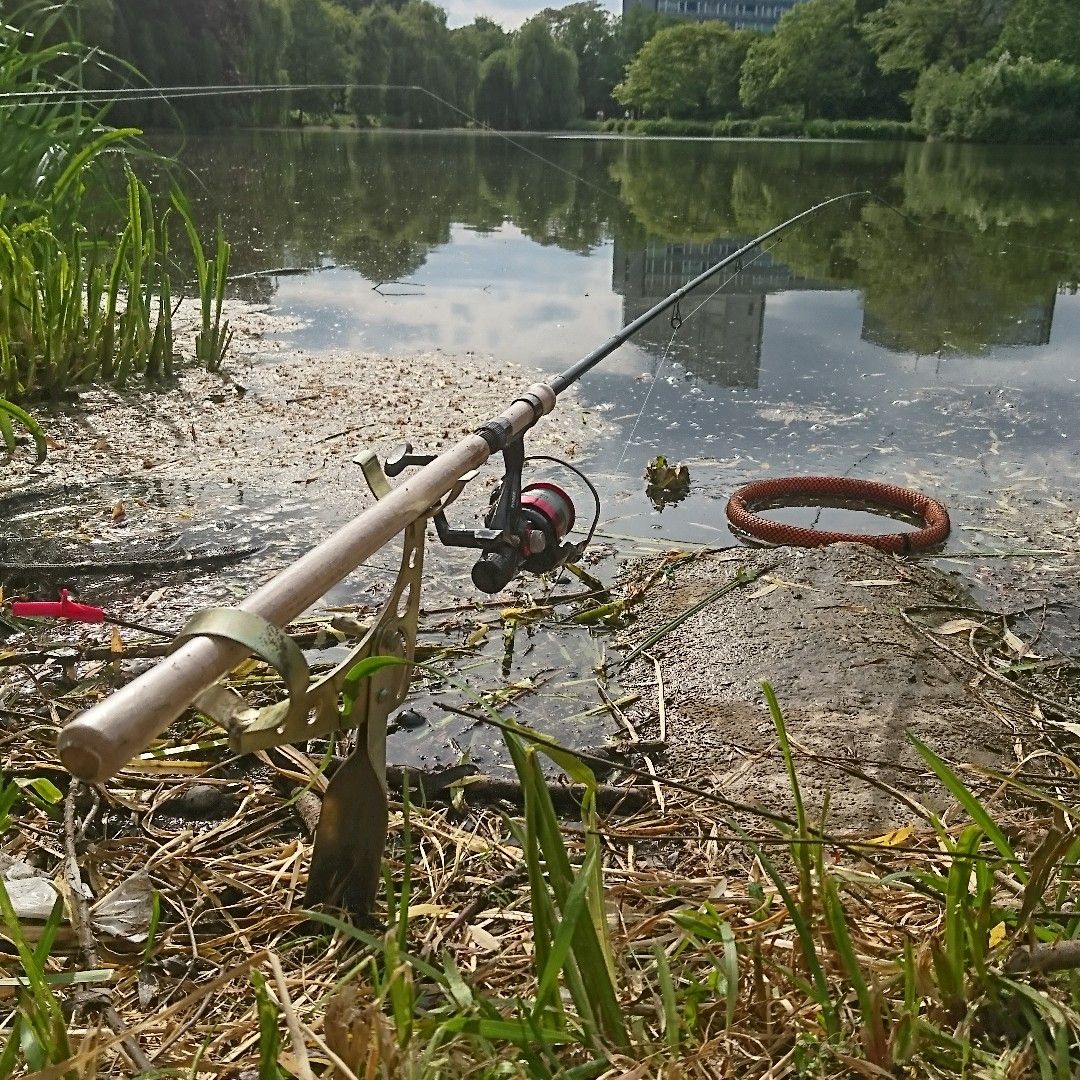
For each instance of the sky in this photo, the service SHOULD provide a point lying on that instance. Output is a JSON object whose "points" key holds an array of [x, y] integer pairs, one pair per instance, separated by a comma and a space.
{"points": [[510, 14]]}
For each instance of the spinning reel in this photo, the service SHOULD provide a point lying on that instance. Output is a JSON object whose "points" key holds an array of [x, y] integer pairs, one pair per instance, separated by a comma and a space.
{"points": [[525, 526]]}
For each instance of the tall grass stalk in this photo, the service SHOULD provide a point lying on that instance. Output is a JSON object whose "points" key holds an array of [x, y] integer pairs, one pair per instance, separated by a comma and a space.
{"points": [[211, 276]]}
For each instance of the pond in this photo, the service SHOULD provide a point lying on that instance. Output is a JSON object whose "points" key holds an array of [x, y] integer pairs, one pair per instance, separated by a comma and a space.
{"points": [[925, 335]]}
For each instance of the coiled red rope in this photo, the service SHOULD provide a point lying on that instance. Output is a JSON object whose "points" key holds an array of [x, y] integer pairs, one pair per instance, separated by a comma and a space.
{"points": [[742, 505]]}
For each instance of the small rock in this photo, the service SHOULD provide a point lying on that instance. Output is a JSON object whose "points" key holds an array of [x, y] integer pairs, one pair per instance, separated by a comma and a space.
{"points": [[204, 802]]}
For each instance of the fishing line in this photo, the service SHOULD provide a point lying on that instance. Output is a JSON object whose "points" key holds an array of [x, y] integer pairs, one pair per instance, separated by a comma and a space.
{"points": [[677, 321]]}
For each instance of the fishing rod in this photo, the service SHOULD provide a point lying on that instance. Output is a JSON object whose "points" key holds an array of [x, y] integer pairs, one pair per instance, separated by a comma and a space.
{"points": [[525, 529]]}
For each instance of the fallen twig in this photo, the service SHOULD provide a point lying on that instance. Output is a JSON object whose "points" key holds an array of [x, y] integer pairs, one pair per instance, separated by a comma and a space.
{"points": [[1041, 959], [98, 999]]}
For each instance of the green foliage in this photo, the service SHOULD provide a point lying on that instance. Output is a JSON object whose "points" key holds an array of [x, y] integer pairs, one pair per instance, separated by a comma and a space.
{"points": [[480, 38], [269, 1030], [545, 79], [1043, 30], [589, 31], [74, 311], [495, 95], [71, 308], [913, 35], [851, 59], [211, 276], [815, 60], [77, 304], [860, 129], [406, 47], [636, 28], [1003, 100], [38, 1033], [10, 415], [570, 923], [687, 70], [319, 48]]}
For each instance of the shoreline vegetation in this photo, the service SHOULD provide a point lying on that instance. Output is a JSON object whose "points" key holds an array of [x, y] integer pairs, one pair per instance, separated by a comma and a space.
{"points": [[957, 70], [88, 275]]}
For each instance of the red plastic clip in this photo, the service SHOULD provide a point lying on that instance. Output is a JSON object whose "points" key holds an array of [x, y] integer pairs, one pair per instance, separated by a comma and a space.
{"points": [[64, 608]]}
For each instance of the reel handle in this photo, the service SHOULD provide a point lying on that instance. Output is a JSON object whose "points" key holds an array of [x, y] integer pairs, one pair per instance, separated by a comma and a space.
{"points": [[494, 570]]}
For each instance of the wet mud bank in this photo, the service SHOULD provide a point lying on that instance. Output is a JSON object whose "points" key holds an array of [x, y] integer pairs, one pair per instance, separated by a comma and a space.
{"points": [[866, 652], [262, 457]]}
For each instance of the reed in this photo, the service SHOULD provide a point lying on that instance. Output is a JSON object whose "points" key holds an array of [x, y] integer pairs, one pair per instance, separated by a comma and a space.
{"points": [[85, 290], [211, 276]]}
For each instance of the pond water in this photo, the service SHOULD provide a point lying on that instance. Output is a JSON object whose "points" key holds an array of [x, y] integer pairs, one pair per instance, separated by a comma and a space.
{"points": [[927, 335]]}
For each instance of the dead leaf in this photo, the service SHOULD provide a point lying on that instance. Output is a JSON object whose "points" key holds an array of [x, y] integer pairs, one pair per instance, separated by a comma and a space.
{"points": [[958, 626], [666, 483], [764, 590], [1017, 646], [417, 910], [125, 913], [31, 891], [895, 838], [484, 940]]}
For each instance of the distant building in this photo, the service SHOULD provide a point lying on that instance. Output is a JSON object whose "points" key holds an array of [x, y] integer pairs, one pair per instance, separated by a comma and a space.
{"points": [[760, 15]]}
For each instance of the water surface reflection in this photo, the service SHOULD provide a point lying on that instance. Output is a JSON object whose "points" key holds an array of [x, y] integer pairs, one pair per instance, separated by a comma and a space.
{"points": [[931, 341]]}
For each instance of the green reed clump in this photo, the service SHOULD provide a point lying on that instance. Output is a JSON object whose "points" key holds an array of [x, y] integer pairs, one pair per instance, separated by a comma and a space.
{"points": [[211, 276], [81, 302]]}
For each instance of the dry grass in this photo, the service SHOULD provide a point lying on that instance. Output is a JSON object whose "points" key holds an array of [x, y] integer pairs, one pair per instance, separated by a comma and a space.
{"points": [[735, 945]]}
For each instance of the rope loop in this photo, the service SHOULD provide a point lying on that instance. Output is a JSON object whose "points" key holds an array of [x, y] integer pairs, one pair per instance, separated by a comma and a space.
{"points": [[788, 490]]}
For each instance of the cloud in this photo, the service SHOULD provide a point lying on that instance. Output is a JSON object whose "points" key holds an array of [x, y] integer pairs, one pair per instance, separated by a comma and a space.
{"points": [[509, 14]]}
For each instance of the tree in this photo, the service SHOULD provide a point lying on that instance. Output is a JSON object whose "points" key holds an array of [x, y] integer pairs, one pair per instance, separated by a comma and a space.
{"points": [[545, 79], [689, 69], [495, 93], [636, 27], [1002, 100], [1043, 30], [913, 35], [480, 38], [410, 47], [815, 60], [318, 52], [264, 57], [588, 31]]}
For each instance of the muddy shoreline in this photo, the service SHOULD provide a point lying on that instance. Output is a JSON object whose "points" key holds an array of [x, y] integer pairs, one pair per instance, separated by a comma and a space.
{"points": [[263, 456]]}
